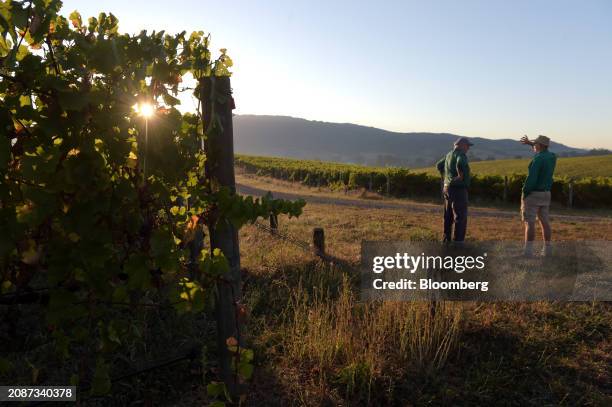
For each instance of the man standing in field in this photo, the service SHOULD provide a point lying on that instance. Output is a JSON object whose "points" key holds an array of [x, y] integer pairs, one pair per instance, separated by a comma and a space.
{"points": [[536, 193], [455, 171]]}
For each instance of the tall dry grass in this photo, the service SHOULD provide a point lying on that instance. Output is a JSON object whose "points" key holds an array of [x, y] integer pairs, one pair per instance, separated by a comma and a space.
{"points": [[352, 344], [317, 345]]}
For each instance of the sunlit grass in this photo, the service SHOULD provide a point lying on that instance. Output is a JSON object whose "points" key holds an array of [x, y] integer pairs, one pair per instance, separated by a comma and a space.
{"points": [[317, 344]]}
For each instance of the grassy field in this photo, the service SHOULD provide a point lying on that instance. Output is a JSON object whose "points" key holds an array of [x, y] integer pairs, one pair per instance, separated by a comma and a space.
{"points": [[576, 167], [316, 344]]}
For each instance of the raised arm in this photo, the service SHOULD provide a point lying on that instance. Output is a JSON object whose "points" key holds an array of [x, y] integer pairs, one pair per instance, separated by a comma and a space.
{"points": [[525, 140]]}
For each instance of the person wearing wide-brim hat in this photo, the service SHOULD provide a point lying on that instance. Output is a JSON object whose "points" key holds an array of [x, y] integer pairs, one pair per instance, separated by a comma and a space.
{"points": [[455, 171], [535, 200]]}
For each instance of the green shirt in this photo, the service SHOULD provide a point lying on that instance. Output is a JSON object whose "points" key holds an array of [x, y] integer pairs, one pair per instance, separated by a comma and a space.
{"points": [[450, 165], [541, 169]]}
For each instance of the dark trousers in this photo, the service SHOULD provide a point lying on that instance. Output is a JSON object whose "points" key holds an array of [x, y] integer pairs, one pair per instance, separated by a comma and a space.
{"points": [[455, 211]]}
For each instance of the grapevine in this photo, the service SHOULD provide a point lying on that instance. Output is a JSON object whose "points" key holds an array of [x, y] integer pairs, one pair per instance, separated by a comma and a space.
{"points": [[78, 219]]}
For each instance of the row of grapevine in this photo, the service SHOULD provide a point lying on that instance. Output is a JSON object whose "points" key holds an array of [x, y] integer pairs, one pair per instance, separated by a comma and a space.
{"points": [[587, 192], [88, 241]]}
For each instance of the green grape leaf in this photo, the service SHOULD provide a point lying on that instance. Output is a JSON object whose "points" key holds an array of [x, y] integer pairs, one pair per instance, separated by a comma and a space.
{"points": [[75, 19], [245, 370], [247, 354], [22, 51]]}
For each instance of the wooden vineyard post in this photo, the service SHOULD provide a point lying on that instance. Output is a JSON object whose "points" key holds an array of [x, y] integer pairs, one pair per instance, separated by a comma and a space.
{"points": [[217, 102], [273, 223], [370, 183], [346, 183], [318, 241], [505, 188], [388, 184], [570, 194]]}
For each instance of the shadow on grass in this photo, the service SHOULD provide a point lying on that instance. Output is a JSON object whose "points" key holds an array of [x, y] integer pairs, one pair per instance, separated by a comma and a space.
{"points": [[510, 354]]}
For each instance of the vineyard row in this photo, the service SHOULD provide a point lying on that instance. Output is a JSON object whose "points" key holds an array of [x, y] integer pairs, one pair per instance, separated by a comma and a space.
{"points": [[594, 192]]}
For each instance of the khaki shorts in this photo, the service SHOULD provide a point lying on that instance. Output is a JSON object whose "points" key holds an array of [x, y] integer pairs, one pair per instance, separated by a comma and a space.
{"points": [[536, 203]]}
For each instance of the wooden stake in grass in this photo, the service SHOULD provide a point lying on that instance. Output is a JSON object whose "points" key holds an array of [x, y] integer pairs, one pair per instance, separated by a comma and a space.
{"points": [[318, 241], [505, 188], [388, 184], [273, 222]]}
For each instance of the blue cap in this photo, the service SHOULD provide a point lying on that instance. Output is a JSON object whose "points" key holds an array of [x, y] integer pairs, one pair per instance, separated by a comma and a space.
{"points": [[463, 140]]}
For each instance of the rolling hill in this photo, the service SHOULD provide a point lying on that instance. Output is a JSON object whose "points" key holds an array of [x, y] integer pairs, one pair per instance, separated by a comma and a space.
{"points": [[283, 136]]}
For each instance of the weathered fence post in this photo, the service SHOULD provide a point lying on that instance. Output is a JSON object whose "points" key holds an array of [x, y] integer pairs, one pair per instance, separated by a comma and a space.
{"points": [[318, 241], [570, 194], [273, 222], [217, 103], [505, 188], [345, 185], [388, 184], [370, 183]]}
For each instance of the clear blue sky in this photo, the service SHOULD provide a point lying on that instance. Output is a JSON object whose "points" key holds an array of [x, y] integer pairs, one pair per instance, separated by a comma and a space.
{"points": [[496, 69]]}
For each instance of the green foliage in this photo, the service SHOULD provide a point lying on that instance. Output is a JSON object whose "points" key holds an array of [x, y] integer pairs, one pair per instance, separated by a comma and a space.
{"points": [[588, 192], [77, 214], [217, 390]]}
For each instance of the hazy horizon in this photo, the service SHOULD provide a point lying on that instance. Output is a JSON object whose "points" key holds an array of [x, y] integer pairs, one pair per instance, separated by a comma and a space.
{"points": [[481, 68], [413, 131]]}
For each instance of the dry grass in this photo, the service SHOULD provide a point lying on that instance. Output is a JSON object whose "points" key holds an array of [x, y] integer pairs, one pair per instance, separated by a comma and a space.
{"points": [[353, 345], [318, 345]]}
